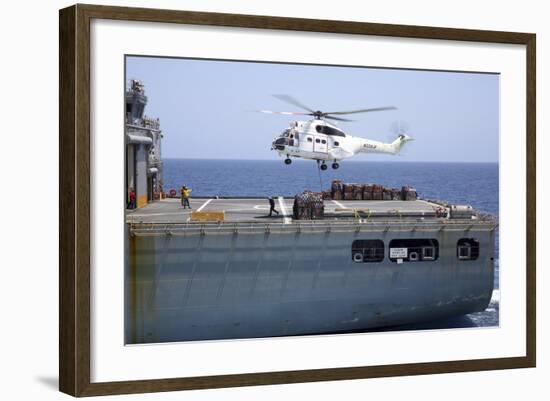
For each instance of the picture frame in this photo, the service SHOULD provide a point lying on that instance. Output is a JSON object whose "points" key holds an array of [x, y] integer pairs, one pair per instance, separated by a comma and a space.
{"points": [[76, 204]]}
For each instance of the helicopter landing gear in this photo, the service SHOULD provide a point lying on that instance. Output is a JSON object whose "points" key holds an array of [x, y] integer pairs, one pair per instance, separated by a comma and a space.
{"points": [[288, 161], [324, 166], [335, 165]]}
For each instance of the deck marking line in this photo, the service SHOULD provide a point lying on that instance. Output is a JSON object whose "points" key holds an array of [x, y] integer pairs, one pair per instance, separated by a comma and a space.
{"points": [[159, 214], [286, 219], [339, 204], [204, 205]]}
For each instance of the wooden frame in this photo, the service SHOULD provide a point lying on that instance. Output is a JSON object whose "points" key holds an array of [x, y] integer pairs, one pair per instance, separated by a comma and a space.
{"points": [[74, 203]]}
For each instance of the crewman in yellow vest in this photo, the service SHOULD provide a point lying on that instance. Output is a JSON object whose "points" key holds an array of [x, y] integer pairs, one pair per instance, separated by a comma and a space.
{"points": [[185, 192]]}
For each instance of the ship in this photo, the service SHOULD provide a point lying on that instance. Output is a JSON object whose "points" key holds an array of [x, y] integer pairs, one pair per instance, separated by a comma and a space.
{"points": [[350, 263], [364, 265]]}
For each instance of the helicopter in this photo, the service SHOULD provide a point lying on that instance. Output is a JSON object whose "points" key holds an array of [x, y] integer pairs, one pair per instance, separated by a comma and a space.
{"points": [[319, 140]]}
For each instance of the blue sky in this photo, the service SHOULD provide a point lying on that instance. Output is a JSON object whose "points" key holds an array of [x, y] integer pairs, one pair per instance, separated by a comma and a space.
{"points": [[208, 109]]}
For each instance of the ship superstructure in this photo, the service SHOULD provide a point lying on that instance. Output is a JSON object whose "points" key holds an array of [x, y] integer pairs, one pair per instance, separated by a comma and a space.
{"points": [[143, 149]]}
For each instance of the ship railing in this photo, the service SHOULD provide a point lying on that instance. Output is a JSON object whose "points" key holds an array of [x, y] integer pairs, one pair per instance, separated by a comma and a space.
{"points": [[145, 122], [309, 227]]}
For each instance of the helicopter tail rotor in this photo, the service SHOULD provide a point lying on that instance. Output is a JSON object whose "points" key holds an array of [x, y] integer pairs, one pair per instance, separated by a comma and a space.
{"points": [[400, 128]]}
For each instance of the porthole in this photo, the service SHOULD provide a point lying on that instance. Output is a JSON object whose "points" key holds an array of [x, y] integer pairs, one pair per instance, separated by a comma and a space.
{"points": [[467, 249], [413, 250], [367, 251]]}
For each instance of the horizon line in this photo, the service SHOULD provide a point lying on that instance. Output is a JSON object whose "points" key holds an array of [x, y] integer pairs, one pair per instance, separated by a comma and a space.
{"points": [[348, 161]]}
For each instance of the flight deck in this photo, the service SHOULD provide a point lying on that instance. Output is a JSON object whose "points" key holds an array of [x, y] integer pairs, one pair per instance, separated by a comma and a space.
{"points": [[239, 210]]}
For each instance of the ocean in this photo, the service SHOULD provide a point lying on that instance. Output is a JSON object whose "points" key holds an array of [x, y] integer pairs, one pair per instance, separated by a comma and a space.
{"points": [[476, 184]]}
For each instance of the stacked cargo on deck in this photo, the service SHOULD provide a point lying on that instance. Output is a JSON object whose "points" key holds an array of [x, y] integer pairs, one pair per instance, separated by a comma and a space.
{"points": [[346, 191], [337, 190], [408, 193], [309, 206]]}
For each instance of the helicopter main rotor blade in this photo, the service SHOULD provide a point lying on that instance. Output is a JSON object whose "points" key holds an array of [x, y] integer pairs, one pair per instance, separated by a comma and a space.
{"points": [[337, 118], [291, 113], [361, 110], [292, 101]]}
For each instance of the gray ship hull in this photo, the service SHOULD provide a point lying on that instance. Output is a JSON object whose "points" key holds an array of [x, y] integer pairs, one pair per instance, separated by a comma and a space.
{"points": [[253, 282]]}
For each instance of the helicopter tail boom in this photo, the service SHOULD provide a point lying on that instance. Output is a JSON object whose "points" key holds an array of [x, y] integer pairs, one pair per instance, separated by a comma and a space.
{"points": [[393, 148], [401, 140]]}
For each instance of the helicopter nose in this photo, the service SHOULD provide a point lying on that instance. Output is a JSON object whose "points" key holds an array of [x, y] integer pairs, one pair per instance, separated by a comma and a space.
{"points": [[279, 144]]}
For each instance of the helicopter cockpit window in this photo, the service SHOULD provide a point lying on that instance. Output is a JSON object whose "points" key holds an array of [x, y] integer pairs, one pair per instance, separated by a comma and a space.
{"points": [[333, 131], [325, 129], [286, 133]]}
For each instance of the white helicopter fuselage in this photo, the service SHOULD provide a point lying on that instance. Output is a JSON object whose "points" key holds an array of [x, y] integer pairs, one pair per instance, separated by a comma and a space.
{"points": [[319, 140]]}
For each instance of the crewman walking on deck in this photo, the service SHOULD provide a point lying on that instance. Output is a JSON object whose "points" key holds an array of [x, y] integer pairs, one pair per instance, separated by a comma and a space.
{"points": [[132, 199], [185, 196], [272, 206]]}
